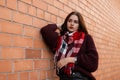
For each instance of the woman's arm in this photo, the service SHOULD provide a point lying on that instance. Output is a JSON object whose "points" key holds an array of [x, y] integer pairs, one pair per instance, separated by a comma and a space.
{"points": [[50, 35], [88, 58]]}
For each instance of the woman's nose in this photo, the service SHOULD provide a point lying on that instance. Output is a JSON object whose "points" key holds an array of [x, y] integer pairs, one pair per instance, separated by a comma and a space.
{"points": [[72, 23]]}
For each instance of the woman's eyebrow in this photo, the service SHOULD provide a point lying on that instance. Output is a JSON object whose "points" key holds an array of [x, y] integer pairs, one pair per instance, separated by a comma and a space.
{"points": [[72, 19]]}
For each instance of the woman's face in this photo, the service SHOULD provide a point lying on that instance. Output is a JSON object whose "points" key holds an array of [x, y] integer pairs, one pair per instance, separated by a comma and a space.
{"points": [[72, 23]]}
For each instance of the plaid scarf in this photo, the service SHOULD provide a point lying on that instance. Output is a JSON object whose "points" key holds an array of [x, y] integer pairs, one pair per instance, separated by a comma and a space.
{"points": [[68, 46]]}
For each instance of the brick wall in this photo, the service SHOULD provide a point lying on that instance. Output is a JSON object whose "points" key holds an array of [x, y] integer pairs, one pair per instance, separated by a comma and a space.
{"points": [[23, 54]]}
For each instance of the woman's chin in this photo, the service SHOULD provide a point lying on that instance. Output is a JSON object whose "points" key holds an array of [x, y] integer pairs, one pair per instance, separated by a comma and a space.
{"points": [[70, 31]]}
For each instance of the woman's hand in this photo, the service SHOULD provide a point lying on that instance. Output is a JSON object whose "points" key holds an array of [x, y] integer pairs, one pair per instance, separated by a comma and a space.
{"points": [[65, 61], [58, 31], [58, 28], [59, 25]]}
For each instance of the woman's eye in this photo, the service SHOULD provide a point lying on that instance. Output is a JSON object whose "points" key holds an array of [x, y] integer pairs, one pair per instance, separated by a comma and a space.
{"points": [[76, 21], [69, 20]]}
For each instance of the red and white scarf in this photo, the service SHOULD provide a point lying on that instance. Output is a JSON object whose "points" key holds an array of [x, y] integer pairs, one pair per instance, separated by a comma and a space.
{"points": [[63, 49]]}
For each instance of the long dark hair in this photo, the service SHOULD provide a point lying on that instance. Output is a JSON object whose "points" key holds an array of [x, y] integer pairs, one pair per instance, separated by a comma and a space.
{"points": [[82, 26]]}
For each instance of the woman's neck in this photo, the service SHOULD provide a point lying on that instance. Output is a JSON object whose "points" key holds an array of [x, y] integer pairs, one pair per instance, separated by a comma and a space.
{"points": [[71, 32]]}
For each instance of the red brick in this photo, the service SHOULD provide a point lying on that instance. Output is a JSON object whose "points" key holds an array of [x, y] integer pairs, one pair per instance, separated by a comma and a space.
{"points": [[39, 44], [41, 64], [22, 65], [47, 16], [54, 73], [12, 4], [49, 74], [59, 20], [5, 40], [49, 1], [53, 18], [2, 2], [10, 27], [5, 13], [52, 65], [73, 6], [5, 66], [22, 41], [67, 9], [27, 1], [32, 10], [22, 7], [58, 4], [22, 18], [53, 10], [3, 77], [88, 8], [64, 1], [56, 78], [87, 20], [13, 76], [40, 4], [82, 5], [12, 53], [46, 54], [62, 14], [40, 13], [24, 76], [75, 1], [38, 23], [34, 75], [79, 9], [34, 54], [42, 75], [85, 13], [30, 31]]}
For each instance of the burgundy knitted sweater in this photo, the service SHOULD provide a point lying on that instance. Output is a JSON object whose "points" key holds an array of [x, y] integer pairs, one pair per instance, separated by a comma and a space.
{"points": [[87, 57]]}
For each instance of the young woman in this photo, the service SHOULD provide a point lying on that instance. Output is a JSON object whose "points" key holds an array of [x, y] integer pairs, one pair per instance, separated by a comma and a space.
{"points": [[75, 56]]}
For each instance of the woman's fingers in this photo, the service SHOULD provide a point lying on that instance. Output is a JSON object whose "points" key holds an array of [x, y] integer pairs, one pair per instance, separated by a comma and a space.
{"points": [[62, 63], [65, 61]]}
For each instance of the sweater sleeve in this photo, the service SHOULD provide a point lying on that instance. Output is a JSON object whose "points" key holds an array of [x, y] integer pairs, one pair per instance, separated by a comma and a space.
{"points": [[88, 59], [49, 35]]}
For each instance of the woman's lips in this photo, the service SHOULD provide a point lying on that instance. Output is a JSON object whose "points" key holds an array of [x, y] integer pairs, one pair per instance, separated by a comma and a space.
{"points": [[71, 27]]}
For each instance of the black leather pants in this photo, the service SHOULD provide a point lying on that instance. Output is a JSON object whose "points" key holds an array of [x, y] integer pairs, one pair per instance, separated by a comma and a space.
{"points": [[74, 76]]}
